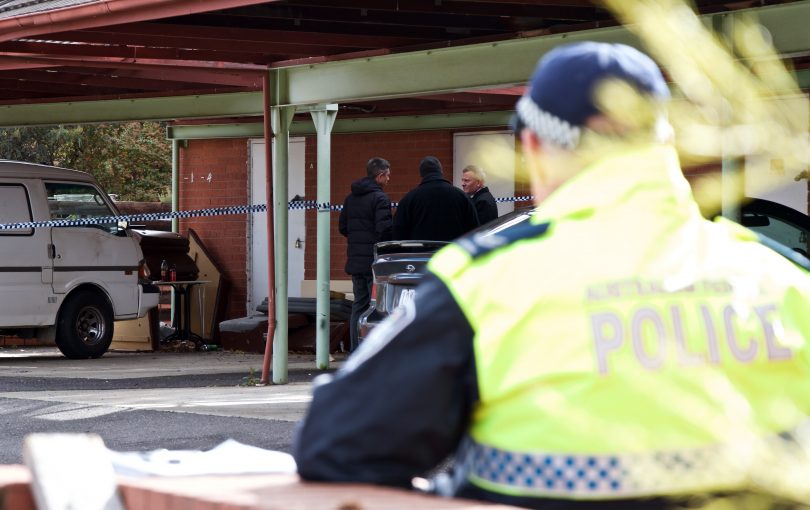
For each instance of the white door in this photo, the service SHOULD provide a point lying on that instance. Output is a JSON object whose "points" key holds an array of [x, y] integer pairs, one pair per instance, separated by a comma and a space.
{"points": [[100, 253], [495, 153], [26, 271], [257, 259]]}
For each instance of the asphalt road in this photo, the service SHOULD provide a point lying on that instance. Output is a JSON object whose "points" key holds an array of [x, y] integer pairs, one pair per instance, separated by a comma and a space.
{"points": [[148, 401]]}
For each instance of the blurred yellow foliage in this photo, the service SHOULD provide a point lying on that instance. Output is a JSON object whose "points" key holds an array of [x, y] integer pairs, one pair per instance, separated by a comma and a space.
{"points": [[734, 96]]}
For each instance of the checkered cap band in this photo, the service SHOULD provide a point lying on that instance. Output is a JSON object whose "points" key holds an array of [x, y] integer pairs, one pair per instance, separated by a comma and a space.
{"points": [[546, 125], [602, 476]]}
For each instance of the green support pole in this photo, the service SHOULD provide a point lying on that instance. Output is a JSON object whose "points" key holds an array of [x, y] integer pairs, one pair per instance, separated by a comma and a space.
{"points": [[280, 119], [731, 176], [324, 119], [732, 188], [175, 182]]}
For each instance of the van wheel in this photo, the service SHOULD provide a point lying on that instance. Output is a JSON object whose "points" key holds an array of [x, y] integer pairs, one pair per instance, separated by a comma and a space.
{"points": [[85, 325]]}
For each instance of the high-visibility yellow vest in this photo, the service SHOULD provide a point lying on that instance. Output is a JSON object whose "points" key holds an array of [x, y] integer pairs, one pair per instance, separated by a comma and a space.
{"points": [[634, 348]]}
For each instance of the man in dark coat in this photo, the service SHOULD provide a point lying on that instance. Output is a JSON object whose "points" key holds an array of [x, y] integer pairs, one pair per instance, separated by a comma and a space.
{"points": [[435, 210], [365, 220], [473, 180]]}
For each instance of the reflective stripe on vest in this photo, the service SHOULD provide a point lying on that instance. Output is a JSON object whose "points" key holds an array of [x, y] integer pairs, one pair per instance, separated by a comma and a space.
{"points": [[604, 476]]}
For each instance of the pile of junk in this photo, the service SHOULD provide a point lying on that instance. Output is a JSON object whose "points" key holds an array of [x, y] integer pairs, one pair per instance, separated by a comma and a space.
{"points": [[192, 294]]}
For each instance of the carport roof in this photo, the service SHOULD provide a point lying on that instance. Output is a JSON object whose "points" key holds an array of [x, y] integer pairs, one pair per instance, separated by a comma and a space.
{"points": [[11, 8], [60, 51]]}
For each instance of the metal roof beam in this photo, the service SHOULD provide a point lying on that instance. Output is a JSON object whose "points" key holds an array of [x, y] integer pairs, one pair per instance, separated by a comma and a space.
{"points": [[247, 76], [156, 108], [390, 76], [371, 125], [130, 52], [562, 10], [231, 35], [485, 65], [108, 12]]}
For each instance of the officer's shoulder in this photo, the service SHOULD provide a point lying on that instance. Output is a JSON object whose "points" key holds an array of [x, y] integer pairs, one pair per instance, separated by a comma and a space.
{"points": [[483, 243], [746, 234], [460, 254], [789, 253], [479, 244]]}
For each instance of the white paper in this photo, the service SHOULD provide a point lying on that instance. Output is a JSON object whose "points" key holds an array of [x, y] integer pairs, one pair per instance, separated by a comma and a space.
{"points": [[228, 458]]}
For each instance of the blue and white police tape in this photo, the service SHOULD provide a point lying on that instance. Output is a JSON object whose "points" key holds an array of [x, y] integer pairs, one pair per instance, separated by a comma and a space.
{"points": [[524, 198], [213, 211]]}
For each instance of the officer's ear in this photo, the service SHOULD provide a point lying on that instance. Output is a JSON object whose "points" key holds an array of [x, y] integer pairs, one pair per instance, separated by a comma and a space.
{"points": [[530, 142]]}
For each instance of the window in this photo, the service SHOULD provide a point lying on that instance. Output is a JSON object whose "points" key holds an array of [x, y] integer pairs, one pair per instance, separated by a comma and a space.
{"points": [[78, 201], [15, 208]]}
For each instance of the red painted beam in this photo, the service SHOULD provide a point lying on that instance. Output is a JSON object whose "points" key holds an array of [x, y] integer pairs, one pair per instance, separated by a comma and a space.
{"points": [[93, 77], [16, 64], [201, 42], [123, 51], [242, 75], [61, 99], [472, 98], [240, 35], [109, 12]]}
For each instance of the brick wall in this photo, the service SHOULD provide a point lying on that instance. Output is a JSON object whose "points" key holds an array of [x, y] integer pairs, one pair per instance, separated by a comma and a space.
{"points": [[214, 173], [350, 153], [227, 163]]}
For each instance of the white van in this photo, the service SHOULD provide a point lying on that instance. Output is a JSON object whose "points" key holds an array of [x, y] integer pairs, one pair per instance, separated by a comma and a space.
{"points": [[68, 283]]}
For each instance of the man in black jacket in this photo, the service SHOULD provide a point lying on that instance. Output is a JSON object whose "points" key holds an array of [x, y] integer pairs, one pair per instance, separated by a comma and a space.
{"points": [[435, 210], [473, 180], [365, 220]]}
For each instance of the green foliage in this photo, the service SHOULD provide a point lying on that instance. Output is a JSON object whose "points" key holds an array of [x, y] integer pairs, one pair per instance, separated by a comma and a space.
{"points": [[251, 379], [131, 160]]}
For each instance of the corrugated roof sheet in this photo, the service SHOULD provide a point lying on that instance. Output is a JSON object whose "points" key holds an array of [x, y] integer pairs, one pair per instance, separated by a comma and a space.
{"points": [[12, 8]]}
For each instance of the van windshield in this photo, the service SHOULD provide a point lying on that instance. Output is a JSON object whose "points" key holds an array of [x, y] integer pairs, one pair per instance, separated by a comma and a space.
{"points": [[74, 201]]}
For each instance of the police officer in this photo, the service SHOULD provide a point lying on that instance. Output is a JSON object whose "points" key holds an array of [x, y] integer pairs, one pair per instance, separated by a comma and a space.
{"points": [[617, 349]]}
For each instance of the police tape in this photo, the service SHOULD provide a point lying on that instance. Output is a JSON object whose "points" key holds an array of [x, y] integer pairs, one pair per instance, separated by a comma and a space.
{"points": [[212, 211]]}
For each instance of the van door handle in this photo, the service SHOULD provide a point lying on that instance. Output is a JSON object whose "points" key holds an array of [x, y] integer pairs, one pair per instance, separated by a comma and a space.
{"points": [[51, 251]]}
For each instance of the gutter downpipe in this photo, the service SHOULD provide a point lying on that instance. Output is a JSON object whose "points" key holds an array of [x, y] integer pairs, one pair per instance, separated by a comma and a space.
{"points": [[175, 182], [271, 262]]}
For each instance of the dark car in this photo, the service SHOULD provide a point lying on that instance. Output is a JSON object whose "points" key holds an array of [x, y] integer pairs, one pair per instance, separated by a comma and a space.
{"points": [[783, 224], [400, 265], [398, 268]]}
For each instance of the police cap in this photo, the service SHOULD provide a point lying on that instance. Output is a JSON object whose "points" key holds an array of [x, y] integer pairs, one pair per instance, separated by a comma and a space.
{"points": [[560, 95]]}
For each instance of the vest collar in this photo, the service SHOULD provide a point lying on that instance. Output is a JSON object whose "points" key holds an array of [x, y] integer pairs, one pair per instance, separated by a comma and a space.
{"points": [[650, 173]]}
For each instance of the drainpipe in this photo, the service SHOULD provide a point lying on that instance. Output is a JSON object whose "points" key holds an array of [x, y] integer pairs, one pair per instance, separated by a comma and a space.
{"points": [[271, 264], [324, 118], [175, 182]]}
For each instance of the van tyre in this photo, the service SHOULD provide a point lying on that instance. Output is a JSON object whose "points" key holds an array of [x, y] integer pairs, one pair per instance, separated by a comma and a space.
{"points": [[85, 325]]}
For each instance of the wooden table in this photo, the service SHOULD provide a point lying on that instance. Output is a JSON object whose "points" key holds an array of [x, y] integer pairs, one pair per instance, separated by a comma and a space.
{"points": [[250, 492]]}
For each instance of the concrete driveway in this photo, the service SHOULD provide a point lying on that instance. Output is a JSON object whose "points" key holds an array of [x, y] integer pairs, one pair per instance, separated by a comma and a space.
{"points": [[214, 383], [147, 401]]}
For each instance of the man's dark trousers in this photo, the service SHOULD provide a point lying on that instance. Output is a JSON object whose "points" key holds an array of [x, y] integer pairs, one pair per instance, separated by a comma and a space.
{"points": [[361, 284]]}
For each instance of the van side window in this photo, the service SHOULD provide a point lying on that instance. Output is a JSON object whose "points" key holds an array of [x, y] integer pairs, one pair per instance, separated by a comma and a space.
{"points": [[73, 201], [15, 208]]}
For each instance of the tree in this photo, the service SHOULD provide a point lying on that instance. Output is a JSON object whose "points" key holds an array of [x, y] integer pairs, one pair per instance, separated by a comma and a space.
{"points": [[131, 160]]}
